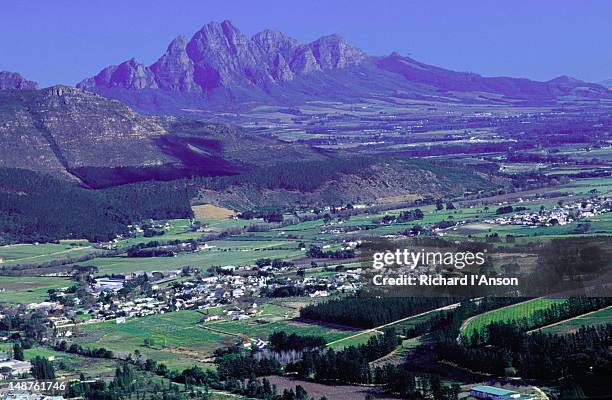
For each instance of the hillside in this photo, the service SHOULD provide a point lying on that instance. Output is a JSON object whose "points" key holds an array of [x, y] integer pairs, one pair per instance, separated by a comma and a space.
{"points": [[221, 68], [12, 80], [342, 180], [38, 208], [100, 142]]}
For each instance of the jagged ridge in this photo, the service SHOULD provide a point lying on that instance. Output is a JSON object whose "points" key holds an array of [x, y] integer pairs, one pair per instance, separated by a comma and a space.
{"points": [[220, 68], [219, 55], [12, 80]]}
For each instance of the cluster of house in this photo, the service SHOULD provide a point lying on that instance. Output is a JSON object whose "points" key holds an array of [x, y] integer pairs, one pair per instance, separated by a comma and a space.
{"points": [[151, 228], [171, 292], [560, 215]]}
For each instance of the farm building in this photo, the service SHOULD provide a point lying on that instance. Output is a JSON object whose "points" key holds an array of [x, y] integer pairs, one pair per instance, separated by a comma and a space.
{"points": [[491, 392]]}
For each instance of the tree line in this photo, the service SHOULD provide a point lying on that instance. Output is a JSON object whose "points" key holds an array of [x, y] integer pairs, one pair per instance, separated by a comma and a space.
{"points": [[40, 208], [369, 312]]}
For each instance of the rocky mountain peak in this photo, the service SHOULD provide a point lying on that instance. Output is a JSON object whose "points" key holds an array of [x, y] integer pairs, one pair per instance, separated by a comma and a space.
{"points": [[13, 80], [130, 75], [333, 51], [223, 56], [133, 75], [220, 56], [174, 70], [218, 38], [271, 42], [178, 45]]}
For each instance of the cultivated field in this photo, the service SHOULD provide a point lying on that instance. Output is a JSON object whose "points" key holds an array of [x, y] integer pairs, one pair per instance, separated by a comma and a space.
{"points": [[205, 212], [29, 289], [179, 341], [182, 339], [600, 317], [203, 260], [39, 253], [506, 314]]}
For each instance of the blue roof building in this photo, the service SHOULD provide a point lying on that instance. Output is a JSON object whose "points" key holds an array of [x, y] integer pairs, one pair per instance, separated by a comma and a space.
{"points": [[491, 392]]}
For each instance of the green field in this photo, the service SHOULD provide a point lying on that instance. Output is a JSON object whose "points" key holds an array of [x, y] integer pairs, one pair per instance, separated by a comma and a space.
{"points": [[363, 337], [179, 341], [507, 314], [599, 317], [202, 259], [183, 340], [29, 289], [271, 318], [178, 230], [254, 329], [39, 253], [353, 340]]}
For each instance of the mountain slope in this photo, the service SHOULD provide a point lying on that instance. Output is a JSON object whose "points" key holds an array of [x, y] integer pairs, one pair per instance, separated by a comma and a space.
{"points": [[12, 80], [512, 88], [100, 142], [220, 68], [36, 207]]}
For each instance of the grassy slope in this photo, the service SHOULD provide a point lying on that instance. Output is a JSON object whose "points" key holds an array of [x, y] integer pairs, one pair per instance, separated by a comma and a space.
{"points": [[29, 289], [505, 314], [599, 317]]}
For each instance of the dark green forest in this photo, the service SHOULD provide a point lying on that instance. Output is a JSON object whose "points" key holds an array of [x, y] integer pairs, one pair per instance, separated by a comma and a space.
{"points": [[41, 208], [368, 312]]}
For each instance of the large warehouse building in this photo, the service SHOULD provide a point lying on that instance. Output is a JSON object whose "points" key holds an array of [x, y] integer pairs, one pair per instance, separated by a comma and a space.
{"points": [[490, 392]]}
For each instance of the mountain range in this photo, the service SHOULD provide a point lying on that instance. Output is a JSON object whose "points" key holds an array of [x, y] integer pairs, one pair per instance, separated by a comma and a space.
{"points": [[97, 142], [221, 68], [85, 135]]}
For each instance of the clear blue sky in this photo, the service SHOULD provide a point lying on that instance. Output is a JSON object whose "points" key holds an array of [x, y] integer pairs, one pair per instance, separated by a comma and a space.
{"points": [[62, 41]]}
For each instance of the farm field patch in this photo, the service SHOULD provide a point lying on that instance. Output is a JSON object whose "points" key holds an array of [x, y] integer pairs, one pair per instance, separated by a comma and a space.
{"points": [[204, 212], [179, 341], [506, 314], [29, 289], [600, 317], [39, 253], [203, 259]]}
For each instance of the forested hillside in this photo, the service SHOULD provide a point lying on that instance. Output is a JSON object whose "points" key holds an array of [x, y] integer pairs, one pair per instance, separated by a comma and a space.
{"points": [[369, 312], [38, 208]]}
